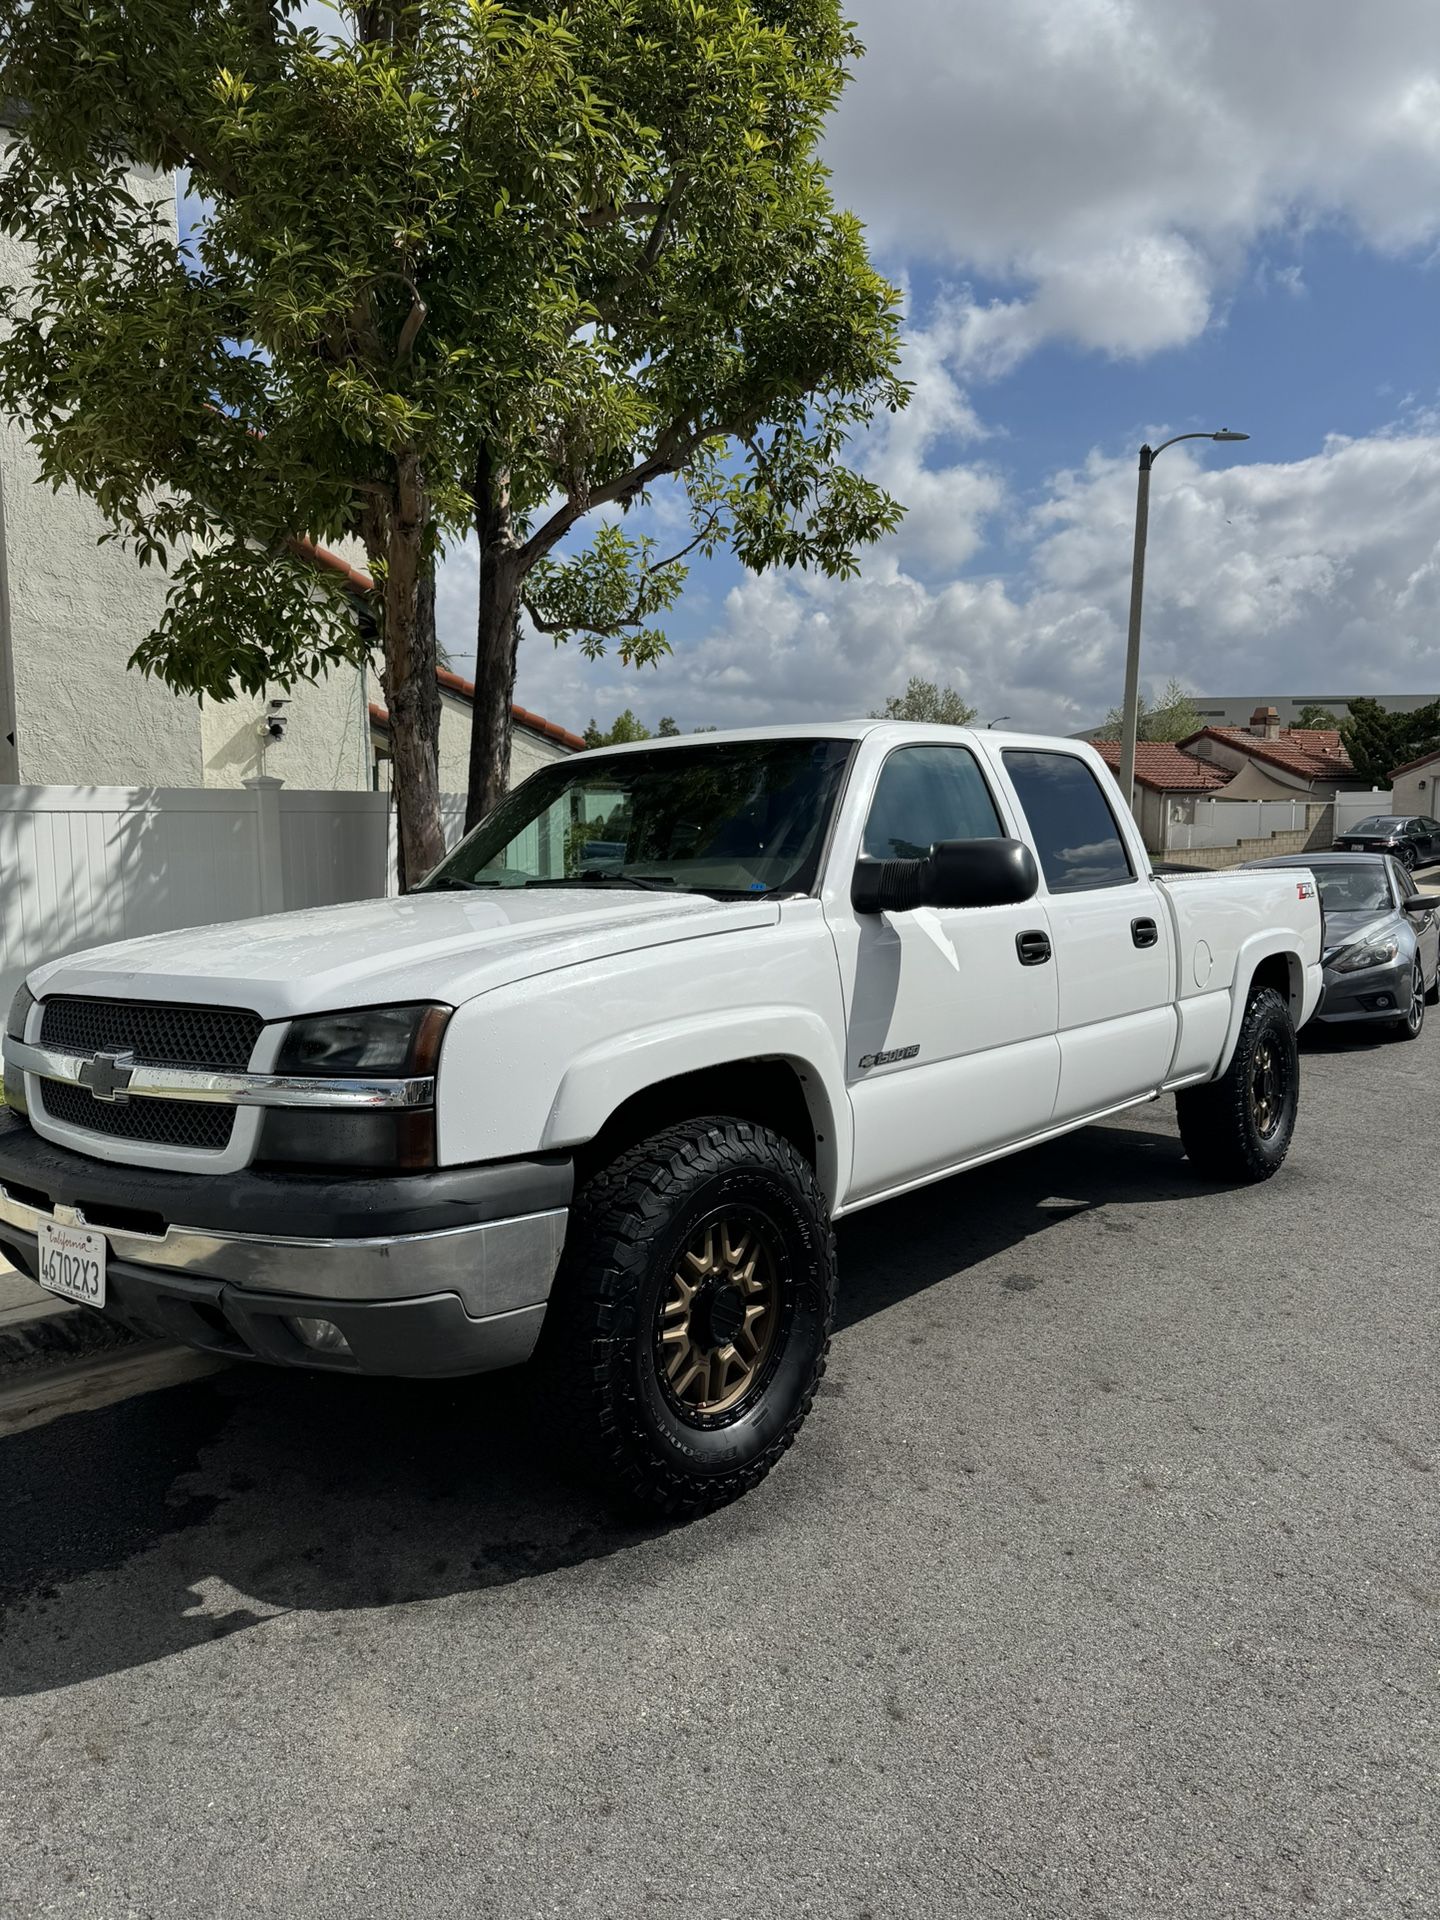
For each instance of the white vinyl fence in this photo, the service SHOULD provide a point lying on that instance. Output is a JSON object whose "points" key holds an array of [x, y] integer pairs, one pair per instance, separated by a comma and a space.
{"points": [[80, 866], [1220, 823], [1350, 807]]}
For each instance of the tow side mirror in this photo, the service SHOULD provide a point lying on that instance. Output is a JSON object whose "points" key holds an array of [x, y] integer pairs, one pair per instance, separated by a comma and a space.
{"points": [[955, 873]]}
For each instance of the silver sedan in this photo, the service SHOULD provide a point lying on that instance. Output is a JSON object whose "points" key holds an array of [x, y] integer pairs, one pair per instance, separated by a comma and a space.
{"points": [[1381, 949]]}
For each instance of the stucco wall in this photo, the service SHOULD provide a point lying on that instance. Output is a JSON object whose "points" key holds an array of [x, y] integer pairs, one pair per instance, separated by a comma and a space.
{"points": [[326, 741], [1417, 792], [76, 612]]}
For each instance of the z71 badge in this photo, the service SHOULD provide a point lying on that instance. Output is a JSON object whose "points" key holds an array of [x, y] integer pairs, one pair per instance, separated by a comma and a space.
{"points": [[868, 1060]]}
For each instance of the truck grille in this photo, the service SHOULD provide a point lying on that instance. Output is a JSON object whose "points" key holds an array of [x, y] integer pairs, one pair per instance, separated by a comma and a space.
{"points": [[217, 1039], [198, 1124], [220, 1038]]}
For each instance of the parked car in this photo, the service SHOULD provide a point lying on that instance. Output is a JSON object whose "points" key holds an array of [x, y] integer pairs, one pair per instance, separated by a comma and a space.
{"points": [[1382, 940], [1414, 839], [818, 966]]}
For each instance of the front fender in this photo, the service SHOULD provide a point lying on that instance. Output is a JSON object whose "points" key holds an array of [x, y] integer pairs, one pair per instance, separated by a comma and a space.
{"points": [[604, 1076]]}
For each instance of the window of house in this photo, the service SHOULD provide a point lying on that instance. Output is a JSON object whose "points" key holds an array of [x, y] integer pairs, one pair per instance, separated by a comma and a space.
{"points": [[1076, 835], [925, 795]]}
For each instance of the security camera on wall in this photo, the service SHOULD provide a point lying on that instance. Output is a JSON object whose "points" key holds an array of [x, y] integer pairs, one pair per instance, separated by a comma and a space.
{"points": [[276, 719]]}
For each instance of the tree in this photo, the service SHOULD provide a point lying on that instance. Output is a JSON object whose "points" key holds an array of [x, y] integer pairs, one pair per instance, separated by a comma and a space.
{"points": [[1319, 718], [1378, 741], [1174, 718], [462, 266], [924, 700], [625, 729], [667, 729]]}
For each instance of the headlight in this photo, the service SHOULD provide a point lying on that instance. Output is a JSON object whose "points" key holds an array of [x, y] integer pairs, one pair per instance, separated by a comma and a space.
{"points": [[382, 1043], [385, 1042], [1371, 953], [15, 1029], [19, 1012]]}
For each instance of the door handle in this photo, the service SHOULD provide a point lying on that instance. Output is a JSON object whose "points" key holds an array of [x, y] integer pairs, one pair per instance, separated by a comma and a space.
{"points": [[1033, 947], [1144, 932]]}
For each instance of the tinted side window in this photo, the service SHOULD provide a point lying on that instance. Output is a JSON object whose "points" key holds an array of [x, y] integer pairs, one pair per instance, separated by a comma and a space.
{"points": [[1075, 832], [926, 794]]}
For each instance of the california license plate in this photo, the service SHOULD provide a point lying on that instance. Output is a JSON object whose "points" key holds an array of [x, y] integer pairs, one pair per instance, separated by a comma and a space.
{"points": [[72, 1263]]}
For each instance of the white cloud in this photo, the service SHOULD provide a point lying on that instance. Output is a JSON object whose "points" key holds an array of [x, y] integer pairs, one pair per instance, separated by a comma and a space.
{"points": [[1114, 160], [1320, 573]]}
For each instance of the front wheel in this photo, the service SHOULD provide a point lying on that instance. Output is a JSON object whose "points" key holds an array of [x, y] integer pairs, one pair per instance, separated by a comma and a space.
{"points": [[1410, 1023], [1239, 1127], [692, 1313]]}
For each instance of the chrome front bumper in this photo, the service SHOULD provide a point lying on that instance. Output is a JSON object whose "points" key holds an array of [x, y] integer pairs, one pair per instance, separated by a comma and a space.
{"points": [[458, 1300]]}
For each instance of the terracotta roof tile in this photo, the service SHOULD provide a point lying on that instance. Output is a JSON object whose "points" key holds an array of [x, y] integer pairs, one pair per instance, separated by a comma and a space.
{"points": [[1315, 753], [1411, 765], [1161, 766]]}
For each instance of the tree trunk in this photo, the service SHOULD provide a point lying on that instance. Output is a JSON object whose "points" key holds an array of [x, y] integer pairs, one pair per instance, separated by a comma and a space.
{"points": [[412, 692], [496, 639]]}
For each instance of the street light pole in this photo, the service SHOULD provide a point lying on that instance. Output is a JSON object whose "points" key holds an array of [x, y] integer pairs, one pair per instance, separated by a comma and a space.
{"points": [[1130, 710]]}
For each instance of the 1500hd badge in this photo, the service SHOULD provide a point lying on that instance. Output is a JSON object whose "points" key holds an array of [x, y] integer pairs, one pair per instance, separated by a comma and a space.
{"points": [[868, 1060]]}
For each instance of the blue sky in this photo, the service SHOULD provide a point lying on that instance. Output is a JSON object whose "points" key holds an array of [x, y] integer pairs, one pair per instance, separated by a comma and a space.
{"points": [[1113, 219]]}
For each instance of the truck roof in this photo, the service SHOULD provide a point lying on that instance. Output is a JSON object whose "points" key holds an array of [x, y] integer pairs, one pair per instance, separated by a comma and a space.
{"points": [[826, 730]]}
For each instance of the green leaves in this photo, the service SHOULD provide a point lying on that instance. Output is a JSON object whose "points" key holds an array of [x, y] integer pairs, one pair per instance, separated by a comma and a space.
{"points": [[586, 246]]}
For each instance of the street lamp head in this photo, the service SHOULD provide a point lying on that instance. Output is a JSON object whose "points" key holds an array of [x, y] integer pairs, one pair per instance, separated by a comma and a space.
{"points": [[1226, 433]]}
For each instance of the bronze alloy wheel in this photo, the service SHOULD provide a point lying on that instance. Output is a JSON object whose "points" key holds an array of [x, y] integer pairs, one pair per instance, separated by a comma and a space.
{"points": [[719, 1314], [1267, 1089]]}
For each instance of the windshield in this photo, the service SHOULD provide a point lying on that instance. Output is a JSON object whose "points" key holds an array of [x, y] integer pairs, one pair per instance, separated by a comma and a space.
{"points": [[1357, 889], [1377, 823], [725, 818]]}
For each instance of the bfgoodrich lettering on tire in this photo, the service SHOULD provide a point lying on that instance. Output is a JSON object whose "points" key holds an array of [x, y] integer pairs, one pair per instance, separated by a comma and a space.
{"points": [[1239, 1126], [692, 1313]]}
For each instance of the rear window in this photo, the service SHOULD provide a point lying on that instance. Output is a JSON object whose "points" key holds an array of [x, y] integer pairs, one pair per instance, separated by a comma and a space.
{"points": [[1076, 834]]}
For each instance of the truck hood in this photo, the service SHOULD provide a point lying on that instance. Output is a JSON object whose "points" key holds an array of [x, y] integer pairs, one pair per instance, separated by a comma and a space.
{"points": [[431, 946]]}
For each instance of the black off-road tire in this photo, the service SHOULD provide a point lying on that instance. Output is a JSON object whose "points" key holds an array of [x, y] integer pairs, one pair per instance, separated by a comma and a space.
{"points": [[1221, 1122], [630, 1228]]}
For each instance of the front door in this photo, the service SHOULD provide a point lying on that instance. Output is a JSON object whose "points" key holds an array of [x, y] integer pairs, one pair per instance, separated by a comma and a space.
{"points": [[951, 1047], [1114, 952]]}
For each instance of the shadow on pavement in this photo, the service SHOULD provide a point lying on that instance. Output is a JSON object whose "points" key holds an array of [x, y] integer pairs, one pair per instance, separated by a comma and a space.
{"points": [[161, 1523]]}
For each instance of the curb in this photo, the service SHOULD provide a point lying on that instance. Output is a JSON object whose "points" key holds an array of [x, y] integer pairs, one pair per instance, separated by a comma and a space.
{"points": [[54, 1334]]}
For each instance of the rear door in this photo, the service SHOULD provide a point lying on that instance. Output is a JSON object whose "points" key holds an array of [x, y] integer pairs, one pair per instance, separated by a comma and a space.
{"points": [[1114, 951], [951, 1048]]}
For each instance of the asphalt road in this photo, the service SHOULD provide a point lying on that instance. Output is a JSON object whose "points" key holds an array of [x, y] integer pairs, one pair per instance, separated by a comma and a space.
{"points": [[1103, 1581]]}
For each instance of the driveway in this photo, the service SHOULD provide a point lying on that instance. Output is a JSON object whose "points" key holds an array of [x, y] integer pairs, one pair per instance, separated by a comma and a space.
{"points": [[1103, 1581]]}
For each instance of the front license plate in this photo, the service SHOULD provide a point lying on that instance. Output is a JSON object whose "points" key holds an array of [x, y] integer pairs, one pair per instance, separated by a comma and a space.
{"points": [[72, 1262]]}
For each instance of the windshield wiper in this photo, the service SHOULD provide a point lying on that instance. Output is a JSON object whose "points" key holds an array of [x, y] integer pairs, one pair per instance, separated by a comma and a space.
{"points": [[450, 884], [610, 880]]}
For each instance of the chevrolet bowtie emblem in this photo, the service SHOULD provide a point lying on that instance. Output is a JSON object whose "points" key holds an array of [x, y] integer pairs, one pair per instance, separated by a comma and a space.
{"points": [[108, 1075]]}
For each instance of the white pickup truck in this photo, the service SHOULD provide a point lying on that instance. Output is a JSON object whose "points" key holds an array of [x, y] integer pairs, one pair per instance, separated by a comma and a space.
{"points": [[617, 1064]]}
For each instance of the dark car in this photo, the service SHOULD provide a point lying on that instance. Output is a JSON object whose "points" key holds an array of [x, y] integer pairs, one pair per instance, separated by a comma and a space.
{"points": [[1413, 838], [1380, 940]]}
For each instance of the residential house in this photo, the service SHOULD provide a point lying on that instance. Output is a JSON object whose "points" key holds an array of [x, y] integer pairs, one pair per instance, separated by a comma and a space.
{"points": [[533, 741], [1168, 782], [1416, 786], [1266, 761]]}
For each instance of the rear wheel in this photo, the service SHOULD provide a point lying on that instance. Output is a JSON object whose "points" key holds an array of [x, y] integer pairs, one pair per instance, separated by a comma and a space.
{"points": [[1239, 1127], [692, 1313]]}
